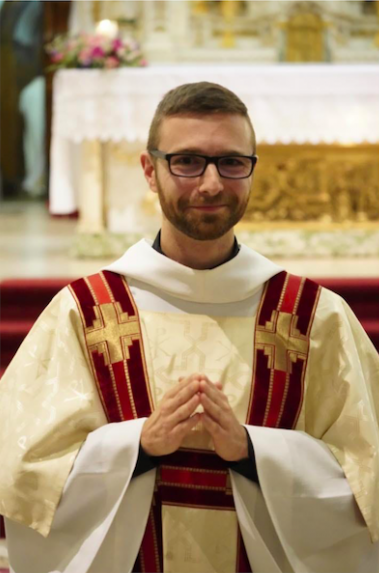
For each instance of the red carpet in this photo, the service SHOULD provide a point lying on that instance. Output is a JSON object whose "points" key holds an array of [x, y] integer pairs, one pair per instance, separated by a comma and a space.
{"points": [[23, 300]]}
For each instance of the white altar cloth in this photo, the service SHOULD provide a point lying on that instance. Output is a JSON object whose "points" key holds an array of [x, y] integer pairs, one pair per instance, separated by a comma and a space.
{"points": [[318, 103]]}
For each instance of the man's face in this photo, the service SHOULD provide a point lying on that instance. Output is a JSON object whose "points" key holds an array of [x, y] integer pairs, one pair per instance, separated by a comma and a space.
{"points": [[208, 206]]}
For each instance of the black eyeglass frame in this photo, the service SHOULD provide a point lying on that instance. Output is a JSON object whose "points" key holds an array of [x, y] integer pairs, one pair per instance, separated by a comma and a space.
{"points": [[214, 159]]}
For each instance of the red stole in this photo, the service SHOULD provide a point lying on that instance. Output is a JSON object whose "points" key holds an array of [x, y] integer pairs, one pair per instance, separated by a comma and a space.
{"points": [[195, 478]]}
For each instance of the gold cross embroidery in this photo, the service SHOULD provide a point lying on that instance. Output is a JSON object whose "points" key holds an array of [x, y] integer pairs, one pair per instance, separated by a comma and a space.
{"points": [[283, 346], [112, 332]]}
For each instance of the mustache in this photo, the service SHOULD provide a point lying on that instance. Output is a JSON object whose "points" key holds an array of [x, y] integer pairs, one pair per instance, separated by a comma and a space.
{"points": [[204, 202]]}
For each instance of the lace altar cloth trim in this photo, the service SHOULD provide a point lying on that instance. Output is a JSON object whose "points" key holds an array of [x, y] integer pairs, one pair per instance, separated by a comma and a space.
{"points": [[318, 103]]}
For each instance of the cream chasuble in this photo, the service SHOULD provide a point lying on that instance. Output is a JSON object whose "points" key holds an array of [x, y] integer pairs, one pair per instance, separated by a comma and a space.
{"points": [[306, 516], [198, 539]]}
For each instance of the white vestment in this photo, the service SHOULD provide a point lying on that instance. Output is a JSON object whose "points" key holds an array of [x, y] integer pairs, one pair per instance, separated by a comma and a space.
{"points": [[316, 508]]}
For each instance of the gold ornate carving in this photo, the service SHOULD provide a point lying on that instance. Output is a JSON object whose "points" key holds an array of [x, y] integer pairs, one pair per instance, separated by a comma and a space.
{"points": [[304, 34], [229, 10], [96, 10], [323, 184], [305, 39], [200, 7], [112, 332], [319, 187]]}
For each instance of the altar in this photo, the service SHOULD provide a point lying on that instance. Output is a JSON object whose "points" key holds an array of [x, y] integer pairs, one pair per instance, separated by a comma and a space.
{"points": [[101, 119]]}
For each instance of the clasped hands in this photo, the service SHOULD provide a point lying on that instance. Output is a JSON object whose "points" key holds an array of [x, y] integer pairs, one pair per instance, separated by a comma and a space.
{"points": [[166, 428]]}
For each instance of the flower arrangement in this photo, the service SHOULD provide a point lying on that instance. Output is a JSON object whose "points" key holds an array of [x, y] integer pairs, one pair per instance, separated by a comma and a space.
{"points": [[93, 51]]}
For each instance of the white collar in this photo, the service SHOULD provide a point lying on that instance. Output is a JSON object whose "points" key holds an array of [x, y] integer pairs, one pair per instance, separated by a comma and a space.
{"points": [[235, 280]]}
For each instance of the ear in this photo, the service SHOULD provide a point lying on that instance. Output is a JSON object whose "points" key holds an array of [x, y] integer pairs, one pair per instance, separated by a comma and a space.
{"points": [[149, 170]]}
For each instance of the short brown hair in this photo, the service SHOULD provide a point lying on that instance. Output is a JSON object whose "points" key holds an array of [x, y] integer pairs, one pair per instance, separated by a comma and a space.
{"points": [[201, 98]]}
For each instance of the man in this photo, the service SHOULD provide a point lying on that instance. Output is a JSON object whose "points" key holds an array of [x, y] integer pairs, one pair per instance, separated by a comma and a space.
{"points": [[242, 430]]}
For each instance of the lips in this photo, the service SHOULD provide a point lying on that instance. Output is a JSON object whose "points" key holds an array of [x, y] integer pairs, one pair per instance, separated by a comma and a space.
{"points": [[207, 207]]}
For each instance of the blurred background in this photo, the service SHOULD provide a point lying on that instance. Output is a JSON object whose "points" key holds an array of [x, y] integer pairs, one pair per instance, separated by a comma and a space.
{"points": [[79, 83]]}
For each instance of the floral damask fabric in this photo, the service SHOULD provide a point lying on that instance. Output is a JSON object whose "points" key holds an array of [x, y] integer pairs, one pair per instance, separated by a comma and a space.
{"points": [[341, 405], [48, 405]]}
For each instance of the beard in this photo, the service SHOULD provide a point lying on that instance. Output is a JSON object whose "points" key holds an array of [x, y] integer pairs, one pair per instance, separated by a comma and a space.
{"points": [[199, 225]]}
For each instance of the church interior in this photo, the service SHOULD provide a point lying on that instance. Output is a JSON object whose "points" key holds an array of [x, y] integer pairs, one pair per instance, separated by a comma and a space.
{"points": [[73, 125]]}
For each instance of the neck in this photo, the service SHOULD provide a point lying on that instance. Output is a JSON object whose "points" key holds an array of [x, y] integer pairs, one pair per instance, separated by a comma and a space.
{"points": [[196, 254]]}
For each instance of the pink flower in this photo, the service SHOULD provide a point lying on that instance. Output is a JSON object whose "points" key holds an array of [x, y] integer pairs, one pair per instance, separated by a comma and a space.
{"points": [[117, 44], [97, 52], [56, 57], [120, 52], [95, 40], [85, 57], [111, 62]]}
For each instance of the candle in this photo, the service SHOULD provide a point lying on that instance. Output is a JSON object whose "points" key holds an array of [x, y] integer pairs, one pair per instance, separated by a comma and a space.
{"points": [[107, 28]]}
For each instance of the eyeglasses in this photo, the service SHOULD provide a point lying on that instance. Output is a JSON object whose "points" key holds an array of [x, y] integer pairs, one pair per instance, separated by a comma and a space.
{"points": [[192, 165]]}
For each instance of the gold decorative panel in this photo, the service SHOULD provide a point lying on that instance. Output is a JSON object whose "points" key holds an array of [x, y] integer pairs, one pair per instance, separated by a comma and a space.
{"points": [[305, 38], [316, 184]]}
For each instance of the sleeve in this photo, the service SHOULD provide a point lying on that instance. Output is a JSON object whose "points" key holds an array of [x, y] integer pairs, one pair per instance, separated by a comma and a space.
{"points": [[341, 405], [247, 467], [145, 463], [303, 518], [316, 510], [48, 406], [100, 521]]}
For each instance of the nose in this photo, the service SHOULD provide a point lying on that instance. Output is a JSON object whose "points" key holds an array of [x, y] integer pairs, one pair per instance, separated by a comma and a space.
{"points": [[211, 183]]}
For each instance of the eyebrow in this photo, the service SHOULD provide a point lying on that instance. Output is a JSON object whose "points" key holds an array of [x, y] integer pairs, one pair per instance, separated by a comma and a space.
{"points": [[196, 150]]}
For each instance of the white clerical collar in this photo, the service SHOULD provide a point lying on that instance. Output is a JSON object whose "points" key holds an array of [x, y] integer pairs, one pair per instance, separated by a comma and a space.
{"points": [[235, 280]]}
